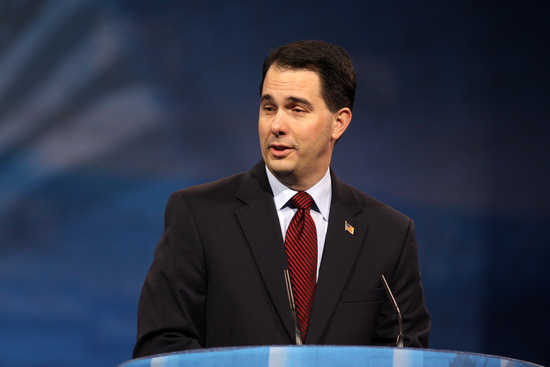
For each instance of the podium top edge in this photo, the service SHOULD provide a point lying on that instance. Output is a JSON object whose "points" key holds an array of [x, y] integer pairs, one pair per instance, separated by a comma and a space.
{"points": [[419, 352]]}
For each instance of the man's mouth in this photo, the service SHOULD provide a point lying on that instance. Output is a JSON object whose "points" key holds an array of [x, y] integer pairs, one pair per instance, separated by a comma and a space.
{"points": [[279, 150]]}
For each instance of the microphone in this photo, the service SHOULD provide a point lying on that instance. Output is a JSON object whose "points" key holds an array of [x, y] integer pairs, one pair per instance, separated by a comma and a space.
{"points": [[290, 295], [399, 342]]}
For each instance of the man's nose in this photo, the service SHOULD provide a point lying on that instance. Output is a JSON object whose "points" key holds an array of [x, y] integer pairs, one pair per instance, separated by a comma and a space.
{"points": [[279, 124]]}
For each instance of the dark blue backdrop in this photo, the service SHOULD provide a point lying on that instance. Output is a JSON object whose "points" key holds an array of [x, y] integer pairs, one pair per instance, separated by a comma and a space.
{"points": [[105, 109]]}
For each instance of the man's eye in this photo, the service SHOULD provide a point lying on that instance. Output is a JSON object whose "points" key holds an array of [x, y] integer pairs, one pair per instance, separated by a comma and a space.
{"points": [[298, 109], [268, 108]]}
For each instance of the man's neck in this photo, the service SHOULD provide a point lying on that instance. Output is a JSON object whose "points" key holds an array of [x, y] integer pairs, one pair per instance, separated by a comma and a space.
{"points": [[296, 184]]}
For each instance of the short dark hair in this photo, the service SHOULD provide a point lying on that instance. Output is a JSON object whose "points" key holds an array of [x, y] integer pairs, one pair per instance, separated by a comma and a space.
{"points": [[331, 62]]}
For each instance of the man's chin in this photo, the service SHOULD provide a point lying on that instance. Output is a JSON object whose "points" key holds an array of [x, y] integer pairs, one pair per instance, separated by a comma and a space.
{"points": [[280, 167]]}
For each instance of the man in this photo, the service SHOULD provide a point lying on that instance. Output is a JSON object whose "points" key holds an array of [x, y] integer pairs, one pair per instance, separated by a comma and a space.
{"points": [[218, 276]]}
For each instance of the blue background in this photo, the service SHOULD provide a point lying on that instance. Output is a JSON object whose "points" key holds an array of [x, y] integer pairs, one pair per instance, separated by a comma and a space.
{"points": [[108, 107]]}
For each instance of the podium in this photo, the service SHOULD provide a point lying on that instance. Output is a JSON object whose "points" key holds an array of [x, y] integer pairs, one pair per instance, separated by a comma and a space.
{"points": [[323, 356]]}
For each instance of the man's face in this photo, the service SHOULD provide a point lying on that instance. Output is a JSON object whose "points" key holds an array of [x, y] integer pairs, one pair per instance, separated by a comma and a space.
{"points": [[295, 126]]}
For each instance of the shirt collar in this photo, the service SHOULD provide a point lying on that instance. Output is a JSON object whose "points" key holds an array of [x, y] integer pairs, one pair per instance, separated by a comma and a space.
{"points": [[321, 193]]}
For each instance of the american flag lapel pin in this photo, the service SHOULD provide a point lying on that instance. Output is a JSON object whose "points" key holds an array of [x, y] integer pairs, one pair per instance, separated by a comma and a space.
{"points": [[349, 228]]}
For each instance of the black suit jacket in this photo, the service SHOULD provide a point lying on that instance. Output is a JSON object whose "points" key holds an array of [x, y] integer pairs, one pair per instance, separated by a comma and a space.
{"points": [[217, 274]]}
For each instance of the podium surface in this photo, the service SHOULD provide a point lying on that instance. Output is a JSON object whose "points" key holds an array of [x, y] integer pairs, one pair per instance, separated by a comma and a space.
{"points": [[324, 356]]}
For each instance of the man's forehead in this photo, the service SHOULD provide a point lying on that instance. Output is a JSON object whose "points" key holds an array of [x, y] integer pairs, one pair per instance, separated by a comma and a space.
{"points": [[281, 82]]}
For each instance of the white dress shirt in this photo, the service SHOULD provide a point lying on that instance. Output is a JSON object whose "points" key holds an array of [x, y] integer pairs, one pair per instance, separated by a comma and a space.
{"points": [[321, 193]]}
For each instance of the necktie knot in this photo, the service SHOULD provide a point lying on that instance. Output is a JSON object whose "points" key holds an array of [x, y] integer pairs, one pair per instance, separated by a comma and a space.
{"points": [[302, 200]]}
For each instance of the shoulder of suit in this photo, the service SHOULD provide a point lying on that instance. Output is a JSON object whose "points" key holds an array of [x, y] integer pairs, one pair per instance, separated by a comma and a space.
{"points": [[373, 207], [219, 190]]}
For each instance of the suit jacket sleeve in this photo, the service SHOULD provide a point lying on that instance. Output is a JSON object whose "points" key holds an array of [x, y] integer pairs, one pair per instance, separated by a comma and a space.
{"points": [[406, 286], [171, 306]]}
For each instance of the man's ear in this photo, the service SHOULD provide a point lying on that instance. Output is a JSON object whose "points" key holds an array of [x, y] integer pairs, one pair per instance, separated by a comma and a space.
{"points": [[342, 119]]}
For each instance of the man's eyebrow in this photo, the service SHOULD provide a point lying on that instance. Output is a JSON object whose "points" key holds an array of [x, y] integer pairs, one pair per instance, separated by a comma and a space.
{"points": [[301, 101], [266, 97], [296, 100]]}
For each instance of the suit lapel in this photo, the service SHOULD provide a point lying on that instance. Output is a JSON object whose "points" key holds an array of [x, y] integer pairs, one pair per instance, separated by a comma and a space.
{"points": [[339, 255], [259, 222]]}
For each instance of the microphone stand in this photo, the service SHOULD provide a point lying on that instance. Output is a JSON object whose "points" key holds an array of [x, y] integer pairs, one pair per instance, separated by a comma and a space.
{"points": [[290, 295], [400, 338]]}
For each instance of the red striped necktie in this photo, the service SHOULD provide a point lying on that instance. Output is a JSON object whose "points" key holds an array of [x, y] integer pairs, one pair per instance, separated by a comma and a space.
{"points": [[301, 250]]}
